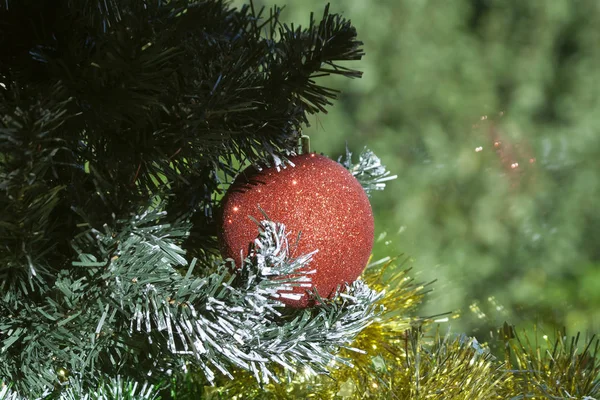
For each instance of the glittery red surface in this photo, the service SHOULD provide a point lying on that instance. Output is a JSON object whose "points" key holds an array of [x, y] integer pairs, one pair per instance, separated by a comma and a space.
{"points": [[318, 197]]}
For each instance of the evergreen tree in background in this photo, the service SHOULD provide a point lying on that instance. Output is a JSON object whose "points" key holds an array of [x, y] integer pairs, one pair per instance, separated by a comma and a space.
{"points": [[121, 124], [517, 244]]}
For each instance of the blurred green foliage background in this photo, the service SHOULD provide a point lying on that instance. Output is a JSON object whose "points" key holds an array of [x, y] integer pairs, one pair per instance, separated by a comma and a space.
{"points": [[489, 112]]}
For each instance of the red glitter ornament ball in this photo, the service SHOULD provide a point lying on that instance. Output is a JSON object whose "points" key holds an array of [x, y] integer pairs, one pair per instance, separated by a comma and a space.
{"points": [[317, 197]]}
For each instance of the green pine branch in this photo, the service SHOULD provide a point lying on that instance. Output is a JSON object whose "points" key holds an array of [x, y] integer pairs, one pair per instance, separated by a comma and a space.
{"points": [[107, 104], [369, 170], [133, 304], [110, 388]]}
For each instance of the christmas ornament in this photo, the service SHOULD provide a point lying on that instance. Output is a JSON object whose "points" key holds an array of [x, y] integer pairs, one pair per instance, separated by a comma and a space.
{"points": [[317, 198]]}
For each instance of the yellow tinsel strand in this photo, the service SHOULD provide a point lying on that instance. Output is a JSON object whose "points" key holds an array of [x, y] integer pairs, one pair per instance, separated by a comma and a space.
{"points": [[407, 359]]}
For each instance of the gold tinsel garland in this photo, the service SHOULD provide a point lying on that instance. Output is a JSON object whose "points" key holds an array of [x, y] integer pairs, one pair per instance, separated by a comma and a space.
{"points": [[407, 358]]}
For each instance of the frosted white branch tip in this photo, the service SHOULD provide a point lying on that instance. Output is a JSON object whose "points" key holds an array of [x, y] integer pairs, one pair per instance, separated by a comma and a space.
{"points": [[369, 170]]}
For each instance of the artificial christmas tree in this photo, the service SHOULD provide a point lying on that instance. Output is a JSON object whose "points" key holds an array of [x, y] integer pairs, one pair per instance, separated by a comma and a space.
{"points": [[122, 123]]}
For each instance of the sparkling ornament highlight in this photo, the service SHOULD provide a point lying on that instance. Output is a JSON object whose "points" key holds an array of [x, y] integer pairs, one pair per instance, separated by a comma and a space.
{"points": [[323, 207]]}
